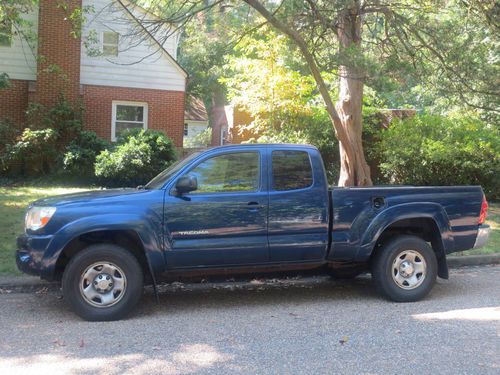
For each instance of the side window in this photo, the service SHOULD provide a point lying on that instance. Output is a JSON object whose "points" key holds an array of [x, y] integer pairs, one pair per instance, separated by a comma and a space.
{"points": [[228, 173], [291, 170]]}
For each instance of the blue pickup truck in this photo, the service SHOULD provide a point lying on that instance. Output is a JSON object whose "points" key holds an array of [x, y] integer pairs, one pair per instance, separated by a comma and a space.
{"points": [[246, 209]]}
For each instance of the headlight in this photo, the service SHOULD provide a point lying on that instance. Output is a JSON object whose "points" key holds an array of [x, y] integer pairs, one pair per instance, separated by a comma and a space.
{"points": [[38, 217]]}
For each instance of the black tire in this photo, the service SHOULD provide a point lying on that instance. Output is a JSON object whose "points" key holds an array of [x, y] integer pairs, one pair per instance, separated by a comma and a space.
{"points": [[114, 258], [388, 269]]}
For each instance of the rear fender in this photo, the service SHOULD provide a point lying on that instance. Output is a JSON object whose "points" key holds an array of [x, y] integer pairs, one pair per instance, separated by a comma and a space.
{"points": [[393, 214]]}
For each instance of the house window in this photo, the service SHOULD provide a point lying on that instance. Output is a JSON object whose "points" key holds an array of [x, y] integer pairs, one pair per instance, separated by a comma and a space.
{"points": [[186, 130], [5, 33], [128, 115], [110, 41]]}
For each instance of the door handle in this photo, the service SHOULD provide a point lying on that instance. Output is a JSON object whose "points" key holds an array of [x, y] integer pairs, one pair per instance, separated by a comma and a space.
{"points": [[253, 206]]}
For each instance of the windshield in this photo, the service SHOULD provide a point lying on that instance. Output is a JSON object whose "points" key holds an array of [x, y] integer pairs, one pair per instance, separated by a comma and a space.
{"points": [[159, 181]]}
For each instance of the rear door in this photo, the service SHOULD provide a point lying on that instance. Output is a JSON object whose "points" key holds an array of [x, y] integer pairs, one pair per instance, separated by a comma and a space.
{"points": [[298, 206], [224, 221]]}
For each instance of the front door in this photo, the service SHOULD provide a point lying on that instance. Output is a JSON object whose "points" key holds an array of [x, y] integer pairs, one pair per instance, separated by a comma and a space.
{"points": [[224, 221]]}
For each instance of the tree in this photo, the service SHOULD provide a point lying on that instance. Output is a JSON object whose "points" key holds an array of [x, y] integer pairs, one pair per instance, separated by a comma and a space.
{"points": [[371, 42], [314, 24]]}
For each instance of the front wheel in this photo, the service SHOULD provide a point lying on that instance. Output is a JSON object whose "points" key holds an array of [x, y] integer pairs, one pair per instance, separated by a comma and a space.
{"points": [[405, 269], [102, 282]]}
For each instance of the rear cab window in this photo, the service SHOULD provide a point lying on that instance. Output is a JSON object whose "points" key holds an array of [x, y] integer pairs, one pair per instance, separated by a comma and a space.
{"points": [[291, 170]]}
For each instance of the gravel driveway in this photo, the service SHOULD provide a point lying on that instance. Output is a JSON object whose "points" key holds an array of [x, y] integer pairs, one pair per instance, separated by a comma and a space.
{"points": [[305, 326]]}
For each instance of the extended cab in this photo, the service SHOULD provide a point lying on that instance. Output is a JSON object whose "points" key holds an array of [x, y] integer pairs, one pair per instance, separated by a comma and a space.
{"points": [[246, 209]]}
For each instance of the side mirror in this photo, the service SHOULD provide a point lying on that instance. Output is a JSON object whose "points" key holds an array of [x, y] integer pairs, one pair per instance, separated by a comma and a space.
{"points": [[185, 184]]}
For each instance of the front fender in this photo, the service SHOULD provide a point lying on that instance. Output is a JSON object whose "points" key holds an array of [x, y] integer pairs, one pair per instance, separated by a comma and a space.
{"points": [[148, 230], [396, 213]]}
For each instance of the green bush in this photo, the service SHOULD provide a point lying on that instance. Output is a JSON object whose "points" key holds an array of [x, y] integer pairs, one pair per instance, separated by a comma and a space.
{"points": [[80, 155], [137, 157], [435, 150], [53, 143], [8, 133], [33, 153]]}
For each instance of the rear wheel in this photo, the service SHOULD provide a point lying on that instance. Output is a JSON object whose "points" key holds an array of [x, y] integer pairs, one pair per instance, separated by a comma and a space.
{"points": [[405, 269], [103, 282]]}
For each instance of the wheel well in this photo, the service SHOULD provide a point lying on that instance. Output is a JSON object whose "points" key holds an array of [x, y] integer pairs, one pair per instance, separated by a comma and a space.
{"points": [[127, 239], [425, 228]]}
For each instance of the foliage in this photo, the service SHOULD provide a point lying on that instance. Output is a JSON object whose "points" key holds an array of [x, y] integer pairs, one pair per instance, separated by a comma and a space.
{"points": [[137, 157], [11, 15], [53, 141], [270, 83], [8, 133], [446, 60], [80, 155], [433, 56], [34, 152], [4, 81], [436, 150], [202, 139]]}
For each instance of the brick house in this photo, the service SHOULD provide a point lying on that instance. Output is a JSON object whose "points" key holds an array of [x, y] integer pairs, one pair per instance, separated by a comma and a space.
{"points": [[122, 75]]}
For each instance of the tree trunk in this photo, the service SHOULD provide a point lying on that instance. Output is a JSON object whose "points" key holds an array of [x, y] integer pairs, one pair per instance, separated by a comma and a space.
{"points": [[346, 118], [354, 171]]}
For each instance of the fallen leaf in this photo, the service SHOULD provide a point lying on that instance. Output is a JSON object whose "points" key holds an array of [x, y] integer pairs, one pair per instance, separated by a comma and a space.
{"points": [[344, 340], [82, 343]]}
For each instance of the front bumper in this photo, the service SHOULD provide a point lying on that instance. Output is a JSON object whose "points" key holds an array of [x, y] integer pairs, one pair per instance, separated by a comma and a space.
{"points": [[483, 234], [29, 253]]}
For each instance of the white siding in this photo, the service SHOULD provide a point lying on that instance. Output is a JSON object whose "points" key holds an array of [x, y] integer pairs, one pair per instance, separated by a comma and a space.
{"points": [[194, 128], [18, 60], [140, 63]]}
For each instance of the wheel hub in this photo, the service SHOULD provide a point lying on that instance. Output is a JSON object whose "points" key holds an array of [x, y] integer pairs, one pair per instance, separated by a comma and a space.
{"points": [[409, 269], [103, 283], [406, 268]]}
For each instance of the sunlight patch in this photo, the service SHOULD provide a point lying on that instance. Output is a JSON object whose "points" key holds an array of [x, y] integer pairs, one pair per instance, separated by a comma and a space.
{"points": [[485, 314]]}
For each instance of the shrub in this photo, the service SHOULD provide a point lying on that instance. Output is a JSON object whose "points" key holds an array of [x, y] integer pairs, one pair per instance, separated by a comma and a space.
{"points": [[53, 143], [435, 150], [8, 133], [80, 155], [137, 157], [34, 152]]}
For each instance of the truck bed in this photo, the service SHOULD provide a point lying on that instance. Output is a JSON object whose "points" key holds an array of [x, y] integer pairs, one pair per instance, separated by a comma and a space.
{"points": [[360, 214]]}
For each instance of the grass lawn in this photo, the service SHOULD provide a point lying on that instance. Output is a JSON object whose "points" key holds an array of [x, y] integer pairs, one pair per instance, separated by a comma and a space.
{"points": [[14, 200]]}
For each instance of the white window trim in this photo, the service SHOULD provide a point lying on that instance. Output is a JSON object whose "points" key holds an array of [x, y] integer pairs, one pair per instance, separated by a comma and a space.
{"points": [[113, 115], [101, 42]]}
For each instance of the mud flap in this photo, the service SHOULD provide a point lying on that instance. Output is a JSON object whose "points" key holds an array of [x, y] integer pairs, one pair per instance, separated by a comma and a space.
{"points": [[443, 267]]}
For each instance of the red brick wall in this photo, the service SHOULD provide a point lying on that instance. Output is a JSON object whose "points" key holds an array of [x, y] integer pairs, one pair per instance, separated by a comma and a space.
{"points": [[14, 101], [165, 109], [58, 69]]}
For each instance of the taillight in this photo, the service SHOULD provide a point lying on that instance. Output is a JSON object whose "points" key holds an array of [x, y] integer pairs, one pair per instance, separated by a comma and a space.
{"points": [[484, 211]]}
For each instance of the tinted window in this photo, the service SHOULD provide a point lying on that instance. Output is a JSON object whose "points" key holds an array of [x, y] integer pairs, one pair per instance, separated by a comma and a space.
{"points": [[228, 173], [291, 170]]}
